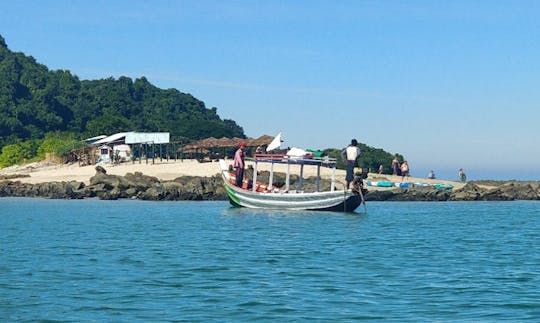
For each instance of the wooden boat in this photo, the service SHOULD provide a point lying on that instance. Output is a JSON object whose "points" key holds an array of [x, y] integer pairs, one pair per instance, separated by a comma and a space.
{"points": [[265, 196]]}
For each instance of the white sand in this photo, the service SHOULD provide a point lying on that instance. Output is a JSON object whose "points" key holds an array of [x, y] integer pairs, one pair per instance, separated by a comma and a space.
{"points": [[47, 172], [41, 172]]}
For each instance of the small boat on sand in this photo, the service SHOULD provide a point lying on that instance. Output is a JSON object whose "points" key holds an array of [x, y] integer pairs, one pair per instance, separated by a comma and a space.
{"points": [[266, 196]]}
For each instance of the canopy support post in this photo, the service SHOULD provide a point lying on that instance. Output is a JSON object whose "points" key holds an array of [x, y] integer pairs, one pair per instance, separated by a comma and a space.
{"points": [[318, 178], [333, 184], [254, 177], [153, 153], [301, 179], [287, 178], [271, 180]]}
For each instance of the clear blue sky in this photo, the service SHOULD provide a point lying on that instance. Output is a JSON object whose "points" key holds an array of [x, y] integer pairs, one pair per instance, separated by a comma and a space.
{"points": [[447, 84]]}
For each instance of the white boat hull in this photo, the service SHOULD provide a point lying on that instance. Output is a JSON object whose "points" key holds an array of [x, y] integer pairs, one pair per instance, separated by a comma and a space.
{"points": [[341, 201]]}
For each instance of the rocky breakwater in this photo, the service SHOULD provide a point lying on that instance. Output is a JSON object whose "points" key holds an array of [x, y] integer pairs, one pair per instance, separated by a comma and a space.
{"points": [[110, 187], [139, 186], [473, 191]]}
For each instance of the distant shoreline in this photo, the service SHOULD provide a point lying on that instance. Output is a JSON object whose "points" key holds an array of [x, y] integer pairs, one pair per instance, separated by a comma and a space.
{"points": [[43, 172], [191, 180]]}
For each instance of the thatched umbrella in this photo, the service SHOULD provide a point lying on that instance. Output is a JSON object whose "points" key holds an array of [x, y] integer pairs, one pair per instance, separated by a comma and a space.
{"points": [[210, 142], [225, 142], [232, 142], [206, 143], [263, 140]]}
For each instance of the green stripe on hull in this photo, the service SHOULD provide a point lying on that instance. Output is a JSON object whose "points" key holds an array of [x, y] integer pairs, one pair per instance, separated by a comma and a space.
{"points": [[232, 196]]}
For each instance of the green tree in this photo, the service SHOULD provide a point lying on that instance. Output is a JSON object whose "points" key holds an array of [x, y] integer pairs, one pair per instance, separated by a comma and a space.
{"points": [[17, 153], [370, 158], [35, 101], [108, 124], [59, 143]]}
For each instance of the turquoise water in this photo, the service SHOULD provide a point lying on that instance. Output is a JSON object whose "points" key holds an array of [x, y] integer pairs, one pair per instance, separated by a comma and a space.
{"points": [[131, 261]]}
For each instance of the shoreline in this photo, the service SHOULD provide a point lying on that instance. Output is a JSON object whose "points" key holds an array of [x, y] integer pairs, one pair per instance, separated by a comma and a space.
{"points": [[191, 180], [44, 172]]}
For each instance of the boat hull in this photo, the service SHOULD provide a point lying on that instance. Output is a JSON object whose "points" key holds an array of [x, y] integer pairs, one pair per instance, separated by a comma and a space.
{"points": [[338, 201]]}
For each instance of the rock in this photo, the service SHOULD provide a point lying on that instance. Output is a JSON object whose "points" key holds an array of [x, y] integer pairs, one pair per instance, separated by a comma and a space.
{"points": [[513, 191], [469, 192], [138, 185], [201, 188], [154, 193], [52, 190], [139, 181], [100, 170], [97, 190], [108, 195], [13, 176], [110, 181], [408, 194], [131, 192]]}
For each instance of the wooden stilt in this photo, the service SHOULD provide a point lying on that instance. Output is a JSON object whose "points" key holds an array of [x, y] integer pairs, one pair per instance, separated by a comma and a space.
{"points": [[288, 177], [301, 179], [318, 178]]}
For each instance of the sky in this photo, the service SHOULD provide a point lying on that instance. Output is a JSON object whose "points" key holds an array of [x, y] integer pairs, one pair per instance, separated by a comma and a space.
{"points": [[447, 84]]}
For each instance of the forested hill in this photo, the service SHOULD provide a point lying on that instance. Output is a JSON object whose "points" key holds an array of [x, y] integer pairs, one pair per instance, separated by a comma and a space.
{"points": [[35, 101]]}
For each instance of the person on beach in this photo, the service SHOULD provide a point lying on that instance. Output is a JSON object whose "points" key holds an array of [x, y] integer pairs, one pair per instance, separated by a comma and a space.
{"points": [[404, 170], [431, 175], [350, 156], [239, 164], [395, 166], [381, 169], [461, 175]]}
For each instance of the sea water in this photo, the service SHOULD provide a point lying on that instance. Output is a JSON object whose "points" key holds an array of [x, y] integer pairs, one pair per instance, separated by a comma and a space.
{"points": [[126, 261]]}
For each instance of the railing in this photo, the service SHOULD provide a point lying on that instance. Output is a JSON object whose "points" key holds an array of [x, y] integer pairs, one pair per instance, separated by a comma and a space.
{"points": [[292, 160], [285, 159]]}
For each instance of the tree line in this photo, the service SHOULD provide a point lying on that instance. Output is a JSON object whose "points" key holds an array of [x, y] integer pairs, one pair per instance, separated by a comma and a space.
{"points": [[50, 111], [35, 101]]}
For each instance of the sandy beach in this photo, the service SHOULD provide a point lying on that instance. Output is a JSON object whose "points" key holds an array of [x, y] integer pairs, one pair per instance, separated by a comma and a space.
{"points": [[42, 172], [164, 170]]}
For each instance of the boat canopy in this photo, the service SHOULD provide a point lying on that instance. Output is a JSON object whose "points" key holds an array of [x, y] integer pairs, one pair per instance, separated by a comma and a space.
{"points": [[285, 159], [293, 160]]}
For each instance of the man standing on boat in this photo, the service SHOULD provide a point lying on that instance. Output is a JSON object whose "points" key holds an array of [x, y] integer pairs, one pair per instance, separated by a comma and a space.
{"points": [[239, 164], [350, 156]]}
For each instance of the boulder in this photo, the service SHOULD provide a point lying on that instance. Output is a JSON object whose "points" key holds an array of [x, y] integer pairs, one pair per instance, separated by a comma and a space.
{"points": [[154, 193], [139, 181], [100, 170], [469, 192], [138, 185], [110, 181], [512, 191], [380, 195]]}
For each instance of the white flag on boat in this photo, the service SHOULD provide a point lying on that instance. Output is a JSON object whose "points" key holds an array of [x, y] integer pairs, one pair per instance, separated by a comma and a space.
{"points": [[275, 144]]}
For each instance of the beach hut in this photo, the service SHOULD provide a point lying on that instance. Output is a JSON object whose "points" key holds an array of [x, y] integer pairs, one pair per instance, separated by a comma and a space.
{"points": [[145, 142], [121, 153], [105, 152]]}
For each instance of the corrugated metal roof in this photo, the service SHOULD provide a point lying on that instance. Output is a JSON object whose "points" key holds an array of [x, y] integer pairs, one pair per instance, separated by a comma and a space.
{"points": [[133, 137], [111, 138]]}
